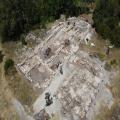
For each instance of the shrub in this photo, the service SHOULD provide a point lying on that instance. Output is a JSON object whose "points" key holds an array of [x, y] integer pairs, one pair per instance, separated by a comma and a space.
{"points": [[1, 56], [107, 66], [9, 63], [22, 38], [113, 62], [101, 56]]}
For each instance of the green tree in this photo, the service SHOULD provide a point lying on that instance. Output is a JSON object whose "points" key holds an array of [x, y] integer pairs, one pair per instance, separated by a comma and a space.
{"points": [[17, 16], [9, 63], [106, 20]]}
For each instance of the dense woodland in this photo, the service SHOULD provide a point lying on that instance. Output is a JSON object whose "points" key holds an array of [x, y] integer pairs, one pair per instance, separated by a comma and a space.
{"points": [[107, 20], [19, 16]]}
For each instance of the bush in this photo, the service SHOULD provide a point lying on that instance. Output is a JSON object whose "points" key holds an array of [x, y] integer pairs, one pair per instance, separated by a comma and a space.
{"points": [[101, 56], [9, 63], [107, 66], [22, 38], [113, 62], [1, 56]]}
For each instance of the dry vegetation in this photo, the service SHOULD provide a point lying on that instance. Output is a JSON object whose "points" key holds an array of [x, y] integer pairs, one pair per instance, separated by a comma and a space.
{"points": [[21, 88], [113, 65], [113, 61], [7, 112], [114, 112], [12, 85]]}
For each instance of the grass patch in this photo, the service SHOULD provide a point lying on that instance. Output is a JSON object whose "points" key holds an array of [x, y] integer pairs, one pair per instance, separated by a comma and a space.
{"points": [[101, 56], [109, 114], [21, 88], [9, 49], [114, 112], [116, 88], [113, 62], [55, 117], [119, 62], [7, 112]]}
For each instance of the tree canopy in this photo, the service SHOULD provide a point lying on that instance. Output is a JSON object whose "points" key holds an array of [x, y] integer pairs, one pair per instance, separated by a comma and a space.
{"points": [[17, 16], [107, 20]]}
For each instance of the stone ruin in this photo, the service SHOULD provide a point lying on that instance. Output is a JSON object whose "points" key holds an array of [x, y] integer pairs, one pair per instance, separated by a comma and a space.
{"points": [[41, 63], [58, 66]]}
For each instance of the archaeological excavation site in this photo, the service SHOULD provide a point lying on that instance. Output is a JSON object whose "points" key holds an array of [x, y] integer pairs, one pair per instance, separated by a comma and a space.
{"points": [[71, 82], [59, 59]]}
